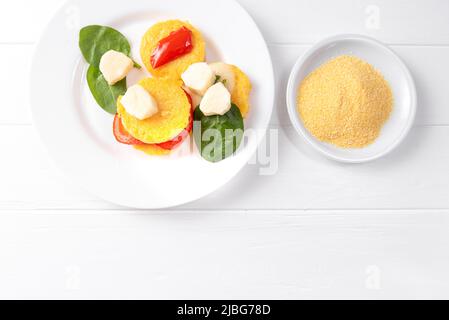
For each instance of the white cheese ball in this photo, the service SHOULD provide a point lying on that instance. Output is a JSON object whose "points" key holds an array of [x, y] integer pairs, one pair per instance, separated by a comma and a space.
{"points": [[115, 66], [198, 78], [139, 103], [216, 101]]}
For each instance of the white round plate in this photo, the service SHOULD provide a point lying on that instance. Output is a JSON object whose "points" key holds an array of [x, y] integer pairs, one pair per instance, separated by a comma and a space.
{"points": [[394, 71], [78, 133]]}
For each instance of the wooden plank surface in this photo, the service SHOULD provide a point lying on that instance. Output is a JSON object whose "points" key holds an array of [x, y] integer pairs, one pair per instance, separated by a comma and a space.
{"points": [[284, 21], [202, 255], [393, 22]]}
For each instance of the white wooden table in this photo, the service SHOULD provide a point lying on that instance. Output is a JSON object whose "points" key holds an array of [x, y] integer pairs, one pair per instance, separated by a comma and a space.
{"points": [[298, 227]]}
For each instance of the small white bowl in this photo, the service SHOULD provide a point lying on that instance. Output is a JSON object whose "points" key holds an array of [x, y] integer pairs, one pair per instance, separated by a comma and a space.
{"points": [[392, 68]]}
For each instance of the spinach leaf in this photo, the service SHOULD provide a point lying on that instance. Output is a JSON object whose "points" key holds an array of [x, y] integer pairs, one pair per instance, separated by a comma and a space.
{"points": [[218, 137], [105, 95], [137, 66], [94, 41], [218, 79]]}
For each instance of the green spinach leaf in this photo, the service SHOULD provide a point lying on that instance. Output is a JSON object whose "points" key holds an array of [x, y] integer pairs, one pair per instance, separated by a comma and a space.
{"points": [[105, 95], [94, 41], [218, 79], [218, 137]]}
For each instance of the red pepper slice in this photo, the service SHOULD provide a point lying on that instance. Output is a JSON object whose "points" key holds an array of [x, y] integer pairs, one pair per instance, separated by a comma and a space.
{"points": [[177, 44]]}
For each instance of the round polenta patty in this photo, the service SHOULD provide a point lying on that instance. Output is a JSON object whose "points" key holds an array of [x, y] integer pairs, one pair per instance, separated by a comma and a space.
{"points": [[175, 68], [173, 115], [242, 90], [152, 150]]}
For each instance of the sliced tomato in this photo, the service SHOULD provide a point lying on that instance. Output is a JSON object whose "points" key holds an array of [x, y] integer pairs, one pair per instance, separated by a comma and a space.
{"points": [[177, 44], [121, 135]]}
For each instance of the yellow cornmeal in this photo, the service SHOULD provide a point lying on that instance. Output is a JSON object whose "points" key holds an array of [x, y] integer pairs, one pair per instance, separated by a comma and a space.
{"points": [[345, 102]]}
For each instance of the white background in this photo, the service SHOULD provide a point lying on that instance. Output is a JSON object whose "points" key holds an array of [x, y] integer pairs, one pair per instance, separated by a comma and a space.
{"points": [[315, 229]]}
